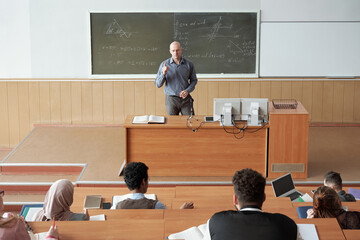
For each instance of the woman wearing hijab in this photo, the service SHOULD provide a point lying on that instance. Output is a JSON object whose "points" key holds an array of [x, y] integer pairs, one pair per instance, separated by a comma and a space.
{"points": [[327, 204], [14, 228], [57, 204]]}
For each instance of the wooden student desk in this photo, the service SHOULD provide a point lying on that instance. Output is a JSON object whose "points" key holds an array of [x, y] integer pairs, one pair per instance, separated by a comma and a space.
{"points": [[173, 149], [116, 229]]}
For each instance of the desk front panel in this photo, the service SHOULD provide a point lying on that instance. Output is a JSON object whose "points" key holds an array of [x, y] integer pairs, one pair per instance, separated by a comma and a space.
{"points": [[206, 152]]}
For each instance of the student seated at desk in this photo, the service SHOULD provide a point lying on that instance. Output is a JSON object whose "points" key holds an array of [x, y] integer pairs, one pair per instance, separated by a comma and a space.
{"points": [[14, 228], [327, 204], [137, 180], [249, 221], [57, 204], [334, 181]]}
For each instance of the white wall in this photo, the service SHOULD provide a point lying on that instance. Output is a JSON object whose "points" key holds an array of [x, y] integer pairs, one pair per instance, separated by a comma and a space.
{"points": [[50, 39], [15, 39]]}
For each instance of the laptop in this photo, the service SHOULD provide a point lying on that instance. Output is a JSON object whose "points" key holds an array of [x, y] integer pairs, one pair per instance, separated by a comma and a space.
{"points": [[284, 187]]}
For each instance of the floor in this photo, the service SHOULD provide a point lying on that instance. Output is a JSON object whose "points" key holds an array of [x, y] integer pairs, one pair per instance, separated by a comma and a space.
{"points": [[102, 149]]}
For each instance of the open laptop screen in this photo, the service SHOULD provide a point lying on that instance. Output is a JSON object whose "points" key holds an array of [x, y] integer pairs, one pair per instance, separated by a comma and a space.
{"points": [[283, 184]]}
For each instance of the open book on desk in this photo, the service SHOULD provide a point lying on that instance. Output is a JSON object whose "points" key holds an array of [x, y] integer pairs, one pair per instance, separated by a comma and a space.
{"points": [[119, 198], [148, 119]]}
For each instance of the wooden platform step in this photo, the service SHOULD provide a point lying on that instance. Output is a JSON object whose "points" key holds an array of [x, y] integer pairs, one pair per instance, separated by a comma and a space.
{"points": [[41, 168]]}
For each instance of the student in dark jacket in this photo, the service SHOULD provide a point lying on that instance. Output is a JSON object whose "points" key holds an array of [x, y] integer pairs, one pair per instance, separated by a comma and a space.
{"points": [[249, 221], [333, 180]]}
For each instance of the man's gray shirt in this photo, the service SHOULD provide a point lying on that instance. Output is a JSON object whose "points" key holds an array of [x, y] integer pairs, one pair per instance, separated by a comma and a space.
{"points": [[179, 77]]}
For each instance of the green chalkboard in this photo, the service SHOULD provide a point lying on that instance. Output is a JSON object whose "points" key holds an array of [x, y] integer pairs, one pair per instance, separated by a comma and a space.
{"points": [[136, 43]]}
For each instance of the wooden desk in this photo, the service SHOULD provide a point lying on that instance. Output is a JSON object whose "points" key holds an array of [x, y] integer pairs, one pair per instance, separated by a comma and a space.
{"points": [[353, 234], [172, 149], [116, 229], [327, 228], [118, 214]]}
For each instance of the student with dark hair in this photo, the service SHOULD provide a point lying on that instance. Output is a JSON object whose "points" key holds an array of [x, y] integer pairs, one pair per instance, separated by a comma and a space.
{"points": [[334, 181], [137, 180], [249, 221], [327, 204]]}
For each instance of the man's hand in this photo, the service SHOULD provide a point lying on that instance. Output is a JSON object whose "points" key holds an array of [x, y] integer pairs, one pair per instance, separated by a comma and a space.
{"points": [[183, 94], [53, 232], [187, 205], [165, 69]]}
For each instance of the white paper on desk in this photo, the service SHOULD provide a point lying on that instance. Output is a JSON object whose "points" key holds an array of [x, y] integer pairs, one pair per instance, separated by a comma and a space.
{"points": [[100, 217], [194, 233], [30, 216], [306, 197], [38, 236], [307, 232]]}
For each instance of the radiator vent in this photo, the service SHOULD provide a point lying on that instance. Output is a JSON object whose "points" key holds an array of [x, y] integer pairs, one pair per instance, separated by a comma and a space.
{"points": [[288, 167]]}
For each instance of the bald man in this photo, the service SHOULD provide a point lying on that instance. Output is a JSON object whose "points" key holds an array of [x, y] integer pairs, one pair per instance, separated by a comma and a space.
{"points": [[180, 79]]}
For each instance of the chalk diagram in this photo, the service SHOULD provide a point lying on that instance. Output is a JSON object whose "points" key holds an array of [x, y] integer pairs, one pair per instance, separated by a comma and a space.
{"points": [[234, 48], [215, 30], [116, 29]]}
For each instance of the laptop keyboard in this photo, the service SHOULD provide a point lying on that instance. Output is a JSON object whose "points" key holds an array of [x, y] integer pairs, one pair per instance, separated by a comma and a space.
{"points": [[294, 195]]}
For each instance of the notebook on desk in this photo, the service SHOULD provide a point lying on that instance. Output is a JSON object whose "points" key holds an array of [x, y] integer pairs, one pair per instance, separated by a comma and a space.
{"points": [[284, 187]]}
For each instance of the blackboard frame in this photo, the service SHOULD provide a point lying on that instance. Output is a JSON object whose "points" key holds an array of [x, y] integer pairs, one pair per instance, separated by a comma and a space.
{"points": [[210, 76]]}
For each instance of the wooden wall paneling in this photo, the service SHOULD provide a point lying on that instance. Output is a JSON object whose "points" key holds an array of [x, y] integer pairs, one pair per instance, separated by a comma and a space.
{"points": [[356, 102], [202, 97], [286, 90], [297, 90], [55, 102], [129, 95], [108, 102], [234, 89], [245, 89], [97, 102], [24, 110], [307, 97], [86, 102], [4, 116], [213, 92], [119, 102], [13, 107], [139, 100], [65, 104], [275, 90], [349, 101], [34, 103], [328, 100], [265, 91], [44, 93], [160, 101], [317, 101], [224, 91], [255, 89], [338, 102], [76, 102], [150, 97]]}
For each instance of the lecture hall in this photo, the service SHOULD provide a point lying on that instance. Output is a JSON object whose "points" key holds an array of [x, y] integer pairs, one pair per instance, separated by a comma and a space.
{"points": [[162, 120]]}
